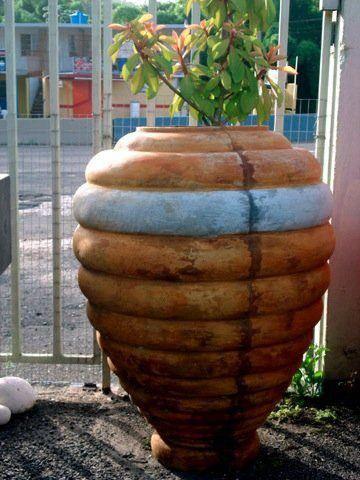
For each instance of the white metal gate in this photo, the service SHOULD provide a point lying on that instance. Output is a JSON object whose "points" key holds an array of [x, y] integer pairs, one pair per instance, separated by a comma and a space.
{"points": [[45, 268]]}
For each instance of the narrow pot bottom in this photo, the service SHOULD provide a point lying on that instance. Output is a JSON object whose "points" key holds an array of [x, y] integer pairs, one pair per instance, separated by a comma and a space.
{"points": [[201, 460]]}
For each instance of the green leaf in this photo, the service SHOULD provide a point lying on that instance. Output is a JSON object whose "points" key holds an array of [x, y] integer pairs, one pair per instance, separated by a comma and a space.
{"points": [[176, 105], [163, 63], [247, 44], [247, 101], [145, 18], [129, 66], [151, 77], [167, 53], [206, 106], [201, 70], [113, 51], [188, 6], [150, 93], [262, 62], [220, 14], [236, 66], [230, 107], [220, 48], [278, 92], [212, 40], [211, 84], [239, 5], [137, 81], [187, 87], [226, 79]]}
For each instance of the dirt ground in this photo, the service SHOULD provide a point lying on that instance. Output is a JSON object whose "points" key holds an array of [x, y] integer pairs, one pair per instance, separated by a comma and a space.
{"points": [[74, 433]]}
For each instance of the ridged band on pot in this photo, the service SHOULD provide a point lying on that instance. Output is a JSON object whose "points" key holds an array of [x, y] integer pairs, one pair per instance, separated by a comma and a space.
{"points": [[202, 213], [203, 258], [190, 259]]}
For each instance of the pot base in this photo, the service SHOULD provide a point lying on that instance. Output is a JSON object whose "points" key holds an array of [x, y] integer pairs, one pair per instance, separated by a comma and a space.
{"points": [[201, 460]]}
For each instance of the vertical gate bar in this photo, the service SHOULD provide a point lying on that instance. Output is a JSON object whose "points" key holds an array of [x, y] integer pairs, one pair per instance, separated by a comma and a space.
{"points": [[323, 85], [328, 158], [96, 73], [195, 18], [55, 171], [151, 104], [284, 16], [12, 141], [107, 95], [321, 120], [96, 124]]}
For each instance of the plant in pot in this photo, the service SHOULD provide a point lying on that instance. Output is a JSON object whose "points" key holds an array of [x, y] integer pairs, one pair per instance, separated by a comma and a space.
{"points": [[204, 249]]}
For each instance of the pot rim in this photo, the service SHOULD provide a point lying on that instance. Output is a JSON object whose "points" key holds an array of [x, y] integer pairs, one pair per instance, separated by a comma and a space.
{"points": [[189, 129]]}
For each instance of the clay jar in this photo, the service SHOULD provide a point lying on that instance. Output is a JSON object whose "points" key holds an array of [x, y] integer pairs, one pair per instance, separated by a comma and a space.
{"points": [[204, 259]]}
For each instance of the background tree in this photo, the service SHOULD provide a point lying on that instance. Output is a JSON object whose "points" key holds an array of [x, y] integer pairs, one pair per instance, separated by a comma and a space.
{"points": [[304, 42], [171, 12], [126, 11]]}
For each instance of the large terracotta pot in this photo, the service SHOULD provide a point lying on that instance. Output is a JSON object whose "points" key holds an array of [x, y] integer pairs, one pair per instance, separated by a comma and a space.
{"points": [[204, 258]]}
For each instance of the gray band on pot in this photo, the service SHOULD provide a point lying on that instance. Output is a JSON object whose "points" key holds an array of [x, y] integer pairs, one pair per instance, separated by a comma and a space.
{"points": [[202, 213]]}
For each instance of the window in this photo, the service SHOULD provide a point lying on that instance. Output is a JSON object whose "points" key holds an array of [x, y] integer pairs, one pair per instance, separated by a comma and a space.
{"points": [[25, 44], [72, 47]]}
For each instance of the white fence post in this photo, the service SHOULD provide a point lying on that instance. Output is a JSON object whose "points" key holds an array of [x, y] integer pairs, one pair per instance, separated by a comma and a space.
{"points": [[283, 42], [12, 140], [55, 170], [96, 73], [97, 131], [323, 85], [107, 84], [151, 104], [195, 18], [321, 127]]}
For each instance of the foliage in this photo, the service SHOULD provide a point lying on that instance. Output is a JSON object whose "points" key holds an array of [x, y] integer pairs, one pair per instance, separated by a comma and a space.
{"points": [[291, 410], [326, 415], [308, 380], [126, 11], [286, 410], [305, 389], [230, 84], [305, 26], [171, 12]]}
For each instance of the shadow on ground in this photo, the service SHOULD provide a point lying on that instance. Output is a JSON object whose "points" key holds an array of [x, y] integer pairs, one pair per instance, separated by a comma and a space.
{"points": [[75, 434]]}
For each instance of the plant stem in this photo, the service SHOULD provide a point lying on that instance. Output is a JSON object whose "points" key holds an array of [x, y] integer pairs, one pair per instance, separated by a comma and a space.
{"points": [[190, 102]]}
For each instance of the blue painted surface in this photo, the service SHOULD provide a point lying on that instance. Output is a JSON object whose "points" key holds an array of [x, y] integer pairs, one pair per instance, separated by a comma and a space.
{"points": [[123, 126], [79, 18], [298, 128], [202, 213]]}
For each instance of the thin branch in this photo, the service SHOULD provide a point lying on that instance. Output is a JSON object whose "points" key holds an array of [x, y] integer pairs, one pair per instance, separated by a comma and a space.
{"points": [[177, 92]]}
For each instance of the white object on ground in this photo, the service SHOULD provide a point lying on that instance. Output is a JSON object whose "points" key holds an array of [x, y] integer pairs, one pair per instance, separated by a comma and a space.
{"points": [[5, 414], [17, 394]]}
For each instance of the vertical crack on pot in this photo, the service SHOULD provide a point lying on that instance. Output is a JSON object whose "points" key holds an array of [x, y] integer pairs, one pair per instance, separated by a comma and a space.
{"points": [[226, 442]]}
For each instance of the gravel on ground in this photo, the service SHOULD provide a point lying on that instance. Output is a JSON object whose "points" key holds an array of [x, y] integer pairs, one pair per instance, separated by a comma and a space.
{"points": [[78, 433]]}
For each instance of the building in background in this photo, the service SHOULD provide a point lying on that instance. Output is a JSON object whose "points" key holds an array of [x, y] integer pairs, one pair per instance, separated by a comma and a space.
{"points": [[75, 69], [30, 40]]}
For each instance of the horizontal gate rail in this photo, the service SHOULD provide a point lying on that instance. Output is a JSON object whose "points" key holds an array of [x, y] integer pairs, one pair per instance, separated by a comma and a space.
{"points": [[45, 358]]}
